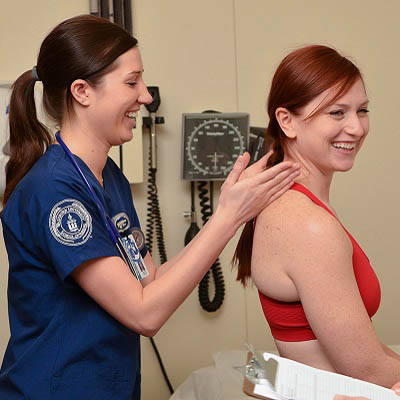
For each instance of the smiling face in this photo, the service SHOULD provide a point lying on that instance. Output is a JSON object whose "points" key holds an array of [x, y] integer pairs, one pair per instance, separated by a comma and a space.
{"points": [[117, 98], [329, 140]]}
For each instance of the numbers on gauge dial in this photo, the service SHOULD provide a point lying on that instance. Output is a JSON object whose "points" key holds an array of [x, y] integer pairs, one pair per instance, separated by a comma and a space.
{"points": [[213, 146]]}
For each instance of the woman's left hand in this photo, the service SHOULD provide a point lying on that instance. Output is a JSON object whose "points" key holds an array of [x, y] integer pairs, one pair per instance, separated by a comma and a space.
{"points": [[246, 192]]}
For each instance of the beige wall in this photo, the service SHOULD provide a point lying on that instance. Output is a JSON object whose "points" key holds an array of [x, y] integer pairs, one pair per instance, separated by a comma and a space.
{"points": [[221, 55]]}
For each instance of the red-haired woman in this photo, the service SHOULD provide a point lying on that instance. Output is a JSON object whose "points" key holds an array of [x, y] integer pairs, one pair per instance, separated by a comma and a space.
{"points": [[316, 286]]}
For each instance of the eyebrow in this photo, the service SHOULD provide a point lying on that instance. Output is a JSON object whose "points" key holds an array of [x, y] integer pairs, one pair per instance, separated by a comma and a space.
{"points": [[135, 72], [346, 105]]}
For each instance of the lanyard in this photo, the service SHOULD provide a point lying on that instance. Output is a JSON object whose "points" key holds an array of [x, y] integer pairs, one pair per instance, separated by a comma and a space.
{"points": [[126, 246]]}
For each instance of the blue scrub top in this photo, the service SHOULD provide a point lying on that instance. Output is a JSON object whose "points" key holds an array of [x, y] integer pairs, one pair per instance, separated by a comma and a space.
{"points": [[63, 345]]}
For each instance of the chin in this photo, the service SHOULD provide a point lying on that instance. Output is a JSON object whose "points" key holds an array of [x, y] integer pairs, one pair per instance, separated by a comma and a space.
{"points": [[344, 168], [126, 137]]}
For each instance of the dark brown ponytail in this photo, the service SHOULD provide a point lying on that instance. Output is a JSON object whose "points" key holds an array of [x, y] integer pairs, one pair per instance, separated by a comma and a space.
{"points": [[28, 137], [300, 77], [83, 47]]}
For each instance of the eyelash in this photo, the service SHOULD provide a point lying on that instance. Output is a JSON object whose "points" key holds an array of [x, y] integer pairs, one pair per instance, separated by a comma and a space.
{"points": [[337, 113], [340, 113], [132, 83]]}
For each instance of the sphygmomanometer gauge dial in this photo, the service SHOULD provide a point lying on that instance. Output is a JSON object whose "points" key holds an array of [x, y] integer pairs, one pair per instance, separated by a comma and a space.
{"points": [[212, 143]]}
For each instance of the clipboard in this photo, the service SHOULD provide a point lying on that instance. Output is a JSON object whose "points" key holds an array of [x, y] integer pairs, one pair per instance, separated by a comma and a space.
{"points": [[314, 383], [248, 387]]}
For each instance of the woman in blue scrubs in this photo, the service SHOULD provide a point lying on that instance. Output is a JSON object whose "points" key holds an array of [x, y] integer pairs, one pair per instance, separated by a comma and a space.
{"points": [[75, 309]]}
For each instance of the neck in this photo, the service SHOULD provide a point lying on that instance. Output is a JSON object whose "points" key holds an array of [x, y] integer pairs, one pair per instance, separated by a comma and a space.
{"points": [[314, 180], [84, 144], [320, 187]]}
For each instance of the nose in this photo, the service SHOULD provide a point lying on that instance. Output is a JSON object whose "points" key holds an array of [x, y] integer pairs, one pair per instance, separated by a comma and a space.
{"points": [[145, 97], [357, 125]]}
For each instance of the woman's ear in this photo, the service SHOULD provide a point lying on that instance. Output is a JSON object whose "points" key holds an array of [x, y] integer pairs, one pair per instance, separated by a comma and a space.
{"points": [[80, 91], [286, 122]]}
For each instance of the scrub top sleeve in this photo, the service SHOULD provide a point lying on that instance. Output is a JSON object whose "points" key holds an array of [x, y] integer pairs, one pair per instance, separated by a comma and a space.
{"points": [[73, 230]]}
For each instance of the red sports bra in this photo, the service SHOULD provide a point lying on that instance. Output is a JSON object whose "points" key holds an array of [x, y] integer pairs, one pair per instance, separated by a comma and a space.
{"points": [[288, 321]]}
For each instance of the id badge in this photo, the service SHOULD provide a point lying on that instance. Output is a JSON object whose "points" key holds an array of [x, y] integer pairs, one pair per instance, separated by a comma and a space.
{"points": [[135, 259]]}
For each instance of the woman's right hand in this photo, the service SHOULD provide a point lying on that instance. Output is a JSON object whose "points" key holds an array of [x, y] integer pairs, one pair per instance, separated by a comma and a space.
{"points": [[247, 191]]}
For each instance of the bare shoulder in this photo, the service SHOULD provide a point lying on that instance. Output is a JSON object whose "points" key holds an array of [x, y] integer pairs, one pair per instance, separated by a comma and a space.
{"points": [[294, 224], [294, 210], [296, 240]]}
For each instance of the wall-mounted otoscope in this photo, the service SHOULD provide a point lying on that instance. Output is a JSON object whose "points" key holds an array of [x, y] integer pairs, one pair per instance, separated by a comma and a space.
{"points": [[152, 121], [154, 223]]}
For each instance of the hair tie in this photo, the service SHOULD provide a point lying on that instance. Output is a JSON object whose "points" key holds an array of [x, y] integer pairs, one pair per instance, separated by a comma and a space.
{"points": [[35, 74]]}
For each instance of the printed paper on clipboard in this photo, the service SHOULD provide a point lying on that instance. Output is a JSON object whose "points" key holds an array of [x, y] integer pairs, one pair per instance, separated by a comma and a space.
{"points": [[297, 381]]}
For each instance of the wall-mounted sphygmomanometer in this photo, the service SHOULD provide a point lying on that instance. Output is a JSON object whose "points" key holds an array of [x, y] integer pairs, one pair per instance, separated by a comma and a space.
{"points": [[211, 143]]}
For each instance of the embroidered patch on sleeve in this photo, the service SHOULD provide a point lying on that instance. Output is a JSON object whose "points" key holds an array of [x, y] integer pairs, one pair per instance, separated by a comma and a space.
{"points": [[121, 221], [70, 223]]}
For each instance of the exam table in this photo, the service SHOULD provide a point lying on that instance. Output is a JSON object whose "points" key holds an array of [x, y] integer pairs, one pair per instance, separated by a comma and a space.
{"points": [[221, 381], [218, 382]]}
